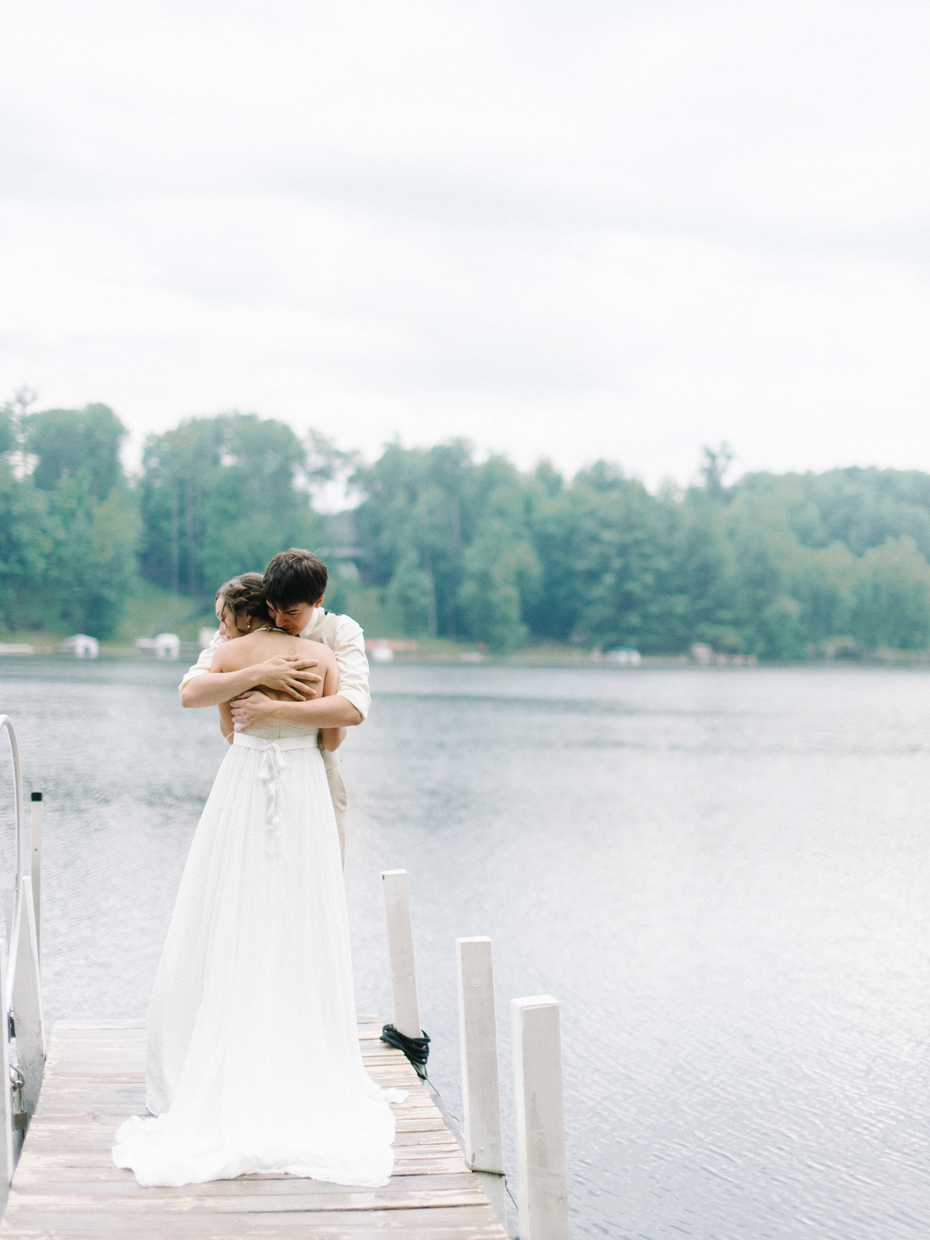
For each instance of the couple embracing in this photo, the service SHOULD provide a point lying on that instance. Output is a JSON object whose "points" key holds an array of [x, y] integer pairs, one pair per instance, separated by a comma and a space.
{"points": [[253, 1064]]}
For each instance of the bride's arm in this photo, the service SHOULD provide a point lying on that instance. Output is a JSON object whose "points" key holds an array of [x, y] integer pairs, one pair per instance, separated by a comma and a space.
{"points": [[286, 674]]}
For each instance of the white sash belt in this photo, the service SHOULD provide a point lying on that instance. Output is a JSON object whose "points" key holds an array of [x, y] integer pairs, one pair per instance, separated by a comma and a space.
{"points": [[271, 766]]}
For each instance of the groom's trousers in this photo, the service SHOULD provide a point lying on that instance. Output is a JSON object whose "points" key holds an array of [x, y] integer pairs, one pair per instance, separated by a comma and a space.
{"points": [[337, 790]]}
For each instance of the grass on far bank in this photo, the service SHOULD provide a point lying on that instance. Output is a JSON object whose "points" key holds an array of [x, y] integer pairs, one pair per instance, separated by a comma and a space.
{"points": [[149, 611], [156, 610]]}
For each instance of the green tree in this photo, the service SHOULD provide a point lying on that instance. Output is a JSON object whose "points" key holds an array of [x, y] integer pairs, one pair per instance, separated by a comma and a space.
{"points": [[417, 512], [621, 559], [449, 540], [699, 586], [777, 565], [891, 604], [25, 544], [88, 526], [860, 508], [780, 633], [7, 431], [822, 581], [76, 444], [498, 574], [220, 496], [90, 570], [409, 596], [501, 574], [714, 468]]}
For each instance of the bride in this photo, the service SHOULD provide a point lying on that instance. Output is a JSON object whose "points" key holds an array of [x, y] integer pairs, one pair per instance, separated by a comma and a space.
{"points": [[253, 1063]]}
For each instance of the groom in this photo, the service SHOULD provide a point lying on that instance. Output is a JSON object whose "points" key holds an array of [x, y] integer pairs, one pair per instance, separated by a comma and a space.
{"points": [[295, 582]]}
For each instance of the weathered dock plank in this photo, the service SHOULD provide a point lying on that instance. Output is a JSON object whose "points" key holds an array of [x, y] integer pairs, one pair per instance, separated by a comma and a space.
{"points": [[66, 1184]]}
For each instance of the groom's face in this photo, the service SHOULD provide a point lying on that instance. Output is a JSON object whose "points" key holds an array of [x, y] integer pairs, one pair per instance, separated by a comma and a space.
{"points": [[294, 619]]}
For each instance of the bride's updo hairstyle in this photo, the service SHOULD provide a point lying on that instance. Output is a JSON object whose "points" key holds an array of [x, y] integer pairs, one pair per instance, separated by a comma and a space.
{"points": [[245, 593], [293, 577]]}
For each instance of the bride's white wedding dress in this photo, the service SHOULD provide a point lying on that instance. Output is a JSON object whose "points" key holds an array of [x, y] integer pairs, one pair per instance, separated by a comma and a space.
{"points": [[253, 1063]]}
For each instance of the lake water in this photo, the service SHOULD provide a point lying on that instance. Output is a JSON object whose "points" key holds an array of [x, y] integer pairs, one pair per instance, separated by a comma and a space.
{"points": [[722, 874]]}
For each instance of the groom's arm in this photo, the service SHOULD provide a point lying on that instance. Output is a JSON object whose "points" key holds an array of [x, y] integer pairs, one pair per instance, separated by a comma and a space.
{"points": [[252, 710], [349, 649]]}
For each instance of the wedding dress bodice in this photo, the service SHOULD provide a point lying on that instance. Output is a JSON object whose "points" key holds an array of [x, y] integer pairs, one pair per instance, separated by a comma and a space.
{"points": [[278, 731]]}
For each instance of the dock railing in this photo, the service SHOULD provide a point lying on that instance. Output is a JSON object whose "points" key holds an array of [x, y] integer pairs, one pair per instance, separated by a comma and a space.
{"points": [[542, 1185], [21, 1034]]}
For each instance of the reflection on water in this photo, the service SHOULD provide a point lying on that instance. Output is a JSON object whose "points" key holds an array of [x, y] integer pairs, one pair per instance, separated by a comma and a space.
{"points": [[721, 873]]}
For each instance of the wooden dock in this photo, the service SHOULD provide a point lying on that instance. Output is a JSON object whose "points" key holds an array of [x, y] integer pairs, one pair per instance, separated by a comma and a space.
{"points": [[66, 1186]]}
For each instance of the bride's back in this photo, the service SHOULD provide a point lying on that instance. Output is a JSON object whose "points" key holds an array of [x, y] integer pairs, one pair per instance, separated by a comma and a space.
{"points": [[257, 647]]}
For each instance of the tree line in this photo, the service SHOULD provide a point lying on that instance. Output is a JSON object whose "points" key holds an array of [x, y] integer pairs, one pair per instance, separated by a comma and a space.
{"points": [[782, 566]]}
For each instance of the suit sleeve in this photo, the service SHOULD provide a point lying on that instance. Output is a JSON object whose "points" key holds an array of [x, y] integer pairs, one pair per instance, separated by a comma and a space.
{"points": [[353, 665]]}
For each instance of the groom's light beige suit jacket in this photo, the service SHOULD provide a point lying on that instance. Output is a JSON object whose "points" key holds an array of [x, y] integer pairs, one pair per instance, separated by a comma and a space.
{"points": [[347, 641]]}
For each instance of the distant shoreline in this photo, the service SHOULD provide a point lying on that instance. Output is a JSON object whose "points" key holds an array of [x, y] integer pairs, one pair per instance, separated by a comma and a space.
{"points": [[548, 658]]}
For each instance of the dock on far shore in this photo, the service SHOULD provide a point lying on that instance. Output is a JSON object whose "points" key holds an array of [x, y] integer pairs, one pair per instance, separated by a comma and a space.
{"points": [[66, 1185]]}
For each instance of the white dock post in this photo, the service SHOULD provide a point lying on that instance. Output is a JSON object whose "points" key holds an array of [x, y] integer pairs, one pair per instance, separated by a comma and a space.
{"points": [[480, 1085], [27, 1001], [36, 838], [6, 1102], [537, 1069], [400, 946]]}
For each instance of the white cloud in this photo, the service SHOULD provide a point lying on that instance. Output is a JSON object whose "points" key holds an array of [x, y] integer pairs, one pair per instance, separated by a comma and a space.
{"points": [[559, 229]]}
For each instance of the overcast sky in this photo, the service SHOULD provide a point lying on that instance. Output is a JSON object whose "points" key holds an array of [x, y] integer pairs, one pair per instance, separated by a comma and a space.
{"points": [[559, 228]]}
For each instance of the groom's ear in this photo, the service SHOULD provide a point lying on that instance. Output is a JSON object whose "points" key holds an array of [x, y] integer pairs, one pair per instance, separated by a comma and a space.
{"points": [[319, 602]]}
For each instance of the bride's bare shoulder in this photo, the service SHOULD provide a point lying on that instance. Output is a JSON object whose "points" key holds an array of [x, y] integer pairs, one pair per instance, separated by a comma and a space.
{"points": [[255, 648], [316, 650]]}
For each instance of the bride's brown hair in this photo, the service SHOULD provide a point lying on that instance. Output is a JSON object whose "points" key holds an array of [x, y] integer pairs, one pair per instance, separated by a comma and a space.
{"points": [[245, 593]]}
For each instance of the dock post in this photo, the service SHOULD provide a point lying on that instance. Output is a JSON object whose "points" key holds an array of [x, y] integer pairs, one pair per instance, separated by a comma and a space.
{"points": [[480, 1085], [36, 840], [537, 1069], [27, 1001], [400, 946], [6, 1102]]}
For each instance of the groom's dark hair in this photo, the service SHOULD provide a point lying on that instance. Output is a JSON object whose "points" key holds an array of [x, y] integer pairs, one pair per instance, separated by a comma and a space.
{"points": [[294, 576]]}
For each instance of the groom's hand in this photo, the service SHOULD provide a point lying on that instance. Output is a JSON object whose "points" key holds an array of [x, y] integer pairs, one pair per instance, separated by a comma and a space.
{"points": [[251, 709], [292, 675]]}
